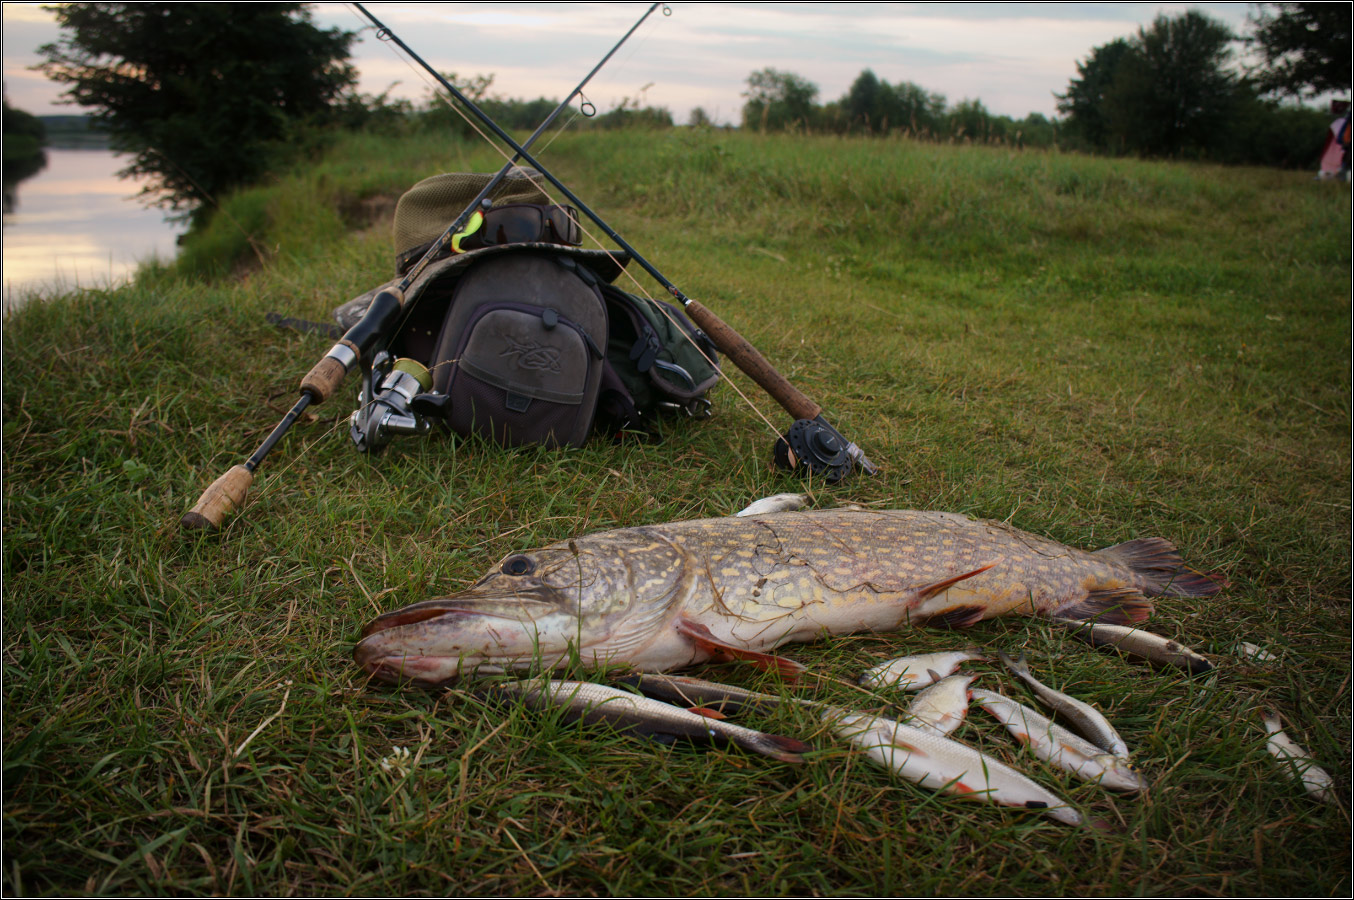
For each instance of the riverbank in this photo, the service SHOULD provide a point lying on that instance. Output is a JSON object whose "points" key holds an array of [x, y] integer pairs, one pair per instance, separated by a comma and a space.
{"points": [[1094, 350]]}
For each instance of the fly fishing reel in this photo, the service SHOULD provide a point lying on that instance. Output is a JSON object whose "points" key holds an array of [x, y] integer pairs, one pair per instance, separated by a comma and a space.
{"points": [[400, 405], [814, 447]]}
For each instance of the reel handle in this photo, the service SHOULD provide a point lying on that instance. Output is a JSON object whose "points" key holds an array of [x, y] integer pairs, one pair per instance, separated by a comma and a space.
{"points": [[223, 495]]}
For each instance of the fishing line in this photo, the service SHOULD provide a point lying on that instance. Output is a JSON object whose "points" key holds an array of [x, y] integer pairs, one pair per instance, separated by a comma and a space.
{"points": [[662, 307], [384, 36]]}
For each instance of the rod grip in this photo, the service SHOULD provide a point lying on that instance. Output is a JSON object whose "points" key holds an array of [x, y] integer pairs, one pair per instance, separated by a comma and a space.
{"points": [[324, 378], [223, 495], [745, 356]]}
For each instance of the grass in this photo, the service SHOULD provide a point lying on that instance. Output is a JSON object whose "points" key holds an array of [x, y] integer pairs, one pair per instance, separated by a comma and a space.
{"points": [[1092, 349]]}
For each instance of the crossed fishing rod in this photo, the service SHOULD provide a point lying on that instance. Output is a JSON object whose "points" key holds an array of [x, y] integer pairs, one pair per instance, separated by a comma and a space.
{"points": [[811, 444]]}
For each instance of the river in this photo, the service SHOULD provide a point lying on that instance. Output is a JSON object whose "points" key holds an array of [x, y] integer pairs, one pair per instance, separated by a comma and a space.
{"points": [[75, 224]]}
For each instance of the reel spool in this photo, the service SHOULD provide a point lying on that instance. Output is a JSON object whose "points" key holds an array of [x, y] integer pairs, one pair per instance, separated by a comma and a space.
{"points": [[391, 408], [815, 446]]}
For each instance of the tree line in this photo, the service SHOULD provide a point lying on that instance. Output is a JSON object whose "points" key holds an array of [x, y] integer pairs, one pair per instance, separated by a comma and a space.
{"points": [[1169, 91], [209, 96]]}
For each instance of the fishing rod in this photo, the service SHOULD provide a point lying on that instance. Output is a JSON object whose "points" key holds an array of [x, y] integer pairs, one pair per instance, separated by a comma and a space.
{"points": [[357, 345], [811, 442]]}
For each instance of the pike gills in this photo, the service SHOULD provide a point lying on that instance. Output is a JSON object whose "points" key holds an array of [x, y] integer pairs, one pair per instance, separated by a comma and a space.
{"points": [[661, 597]]}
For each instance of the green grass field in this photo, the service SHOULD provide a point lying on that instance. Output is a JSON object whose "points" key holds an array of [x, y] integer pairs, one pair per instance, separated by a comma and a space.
{"points": [[1091, 349]]}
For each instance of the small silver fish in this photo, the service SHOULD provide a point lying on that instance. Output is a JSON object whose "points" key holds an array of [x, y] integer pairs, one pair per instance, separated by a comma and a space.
{"points": [[1059, 747], [1315, 779], [1257, 653], [623, 710], [1139, 643], [939, 763], [1088, 720], [775, 503], [687, 692], [942, 706], [911, 673]]}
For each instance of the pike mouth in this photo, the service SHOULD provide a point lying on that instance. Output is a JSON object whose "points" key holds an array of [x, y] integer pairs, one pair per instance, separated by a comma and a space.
{"points": [[436, 609], [436, 641]]}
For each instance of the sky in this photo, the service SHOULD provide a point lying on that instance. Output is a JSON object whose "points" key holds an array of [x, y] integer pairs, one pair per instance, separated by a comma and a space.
{"points": [[1012, 56]]}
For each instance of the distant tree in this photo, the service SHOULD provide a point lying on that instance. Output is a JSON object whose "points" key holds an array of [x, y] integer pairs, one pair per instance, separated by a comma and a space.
{"points": [[917, 109], [18, 123], [1166, 92], [778, 100], [1173, 95], [970, 120], [1306, 47], [862, 105], [198, 93], [24, 137], [1035, 130], [1084, 102], [873, 105], [699, 118]]}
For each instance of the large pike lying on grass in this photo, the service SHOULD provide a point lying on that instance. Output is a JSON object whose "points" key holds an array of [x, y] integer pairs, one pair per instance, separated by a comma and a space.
{"points": [[661, 597]]}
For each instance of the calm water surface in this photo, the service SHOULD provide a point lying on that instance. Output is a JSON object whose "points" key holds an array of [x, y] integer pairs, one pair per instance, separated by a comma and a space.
{"points": [[75, 225]]}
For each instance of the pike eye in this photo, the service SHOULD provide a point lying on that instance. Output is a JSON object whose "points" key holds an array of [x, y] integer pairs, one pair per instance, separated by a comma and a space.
{"points": [[517, 565]]}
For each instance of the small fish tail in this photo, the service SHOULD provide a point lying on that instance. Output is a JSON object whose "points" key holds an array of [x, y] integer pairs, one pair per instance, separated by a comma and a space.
{"points": [[1160, 568], [785, 749], [1019, 666]]}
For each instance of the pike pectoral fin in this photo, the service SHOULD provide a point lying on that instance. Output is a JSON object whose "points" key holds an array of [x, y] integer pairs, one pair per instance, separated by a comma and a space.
{"points": [[701, 636], [926, 592], [1116, 606]]}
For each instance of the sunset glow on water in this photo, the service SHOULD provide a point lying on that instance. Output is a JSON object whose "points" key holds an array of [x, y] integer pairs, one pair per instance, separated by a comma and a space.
{"points": [[75, 224]]}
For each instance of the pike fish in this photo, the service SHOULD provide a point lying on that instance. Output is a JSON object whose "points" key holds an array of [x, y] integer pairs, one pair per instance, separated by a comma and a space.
{"points": [[661, 597]]}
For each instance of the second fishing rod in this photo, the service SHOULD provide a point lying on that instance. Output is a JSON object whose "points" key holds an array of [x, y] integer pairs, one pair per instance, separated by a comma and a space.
{"points": [[359, 344], [811, 442]]}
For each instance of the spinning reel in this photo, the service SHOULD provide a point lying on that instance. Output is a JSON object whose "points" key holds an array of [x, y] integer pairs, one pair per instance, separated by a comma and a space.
{"points": [[401, 404]]}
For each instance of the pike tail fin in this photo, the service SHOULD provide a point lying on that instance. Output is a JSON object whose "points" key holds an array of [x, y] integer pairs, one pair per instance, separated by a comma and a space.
{"points": [[1160, 569]]}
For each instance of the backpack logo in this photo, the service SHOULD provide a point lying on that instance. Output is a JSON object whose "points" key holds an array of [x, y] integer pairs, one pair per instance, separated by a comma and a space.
{"points": [[531, 355]]}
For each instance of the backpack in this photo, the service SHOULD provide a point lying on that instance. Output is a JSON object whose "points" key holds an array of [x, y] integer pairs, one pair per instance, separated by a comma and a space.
{"points": [[530, 342]]}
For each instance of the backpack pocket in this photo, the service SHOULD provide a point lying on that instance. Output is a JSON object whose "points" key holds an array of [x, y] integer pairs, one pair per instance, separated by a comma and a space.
{"points": [[522, 375]]}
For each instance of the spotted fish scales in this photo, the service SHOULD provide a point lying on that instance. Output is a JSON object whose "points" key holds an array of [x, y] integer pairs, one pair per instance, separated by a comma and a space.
{"points": [[662, 597]]}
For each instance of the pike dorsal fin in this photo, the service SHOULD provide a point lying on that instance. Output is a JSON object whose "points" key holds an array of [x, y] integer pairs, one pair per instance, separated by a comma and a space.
{"points": [[701, 636], [926, 592]]}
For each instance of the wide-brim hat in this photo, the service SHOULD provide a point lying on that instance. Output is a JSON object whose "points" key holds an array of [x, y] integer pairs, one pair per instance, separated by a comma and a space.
{"points": [[426, 209]]}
